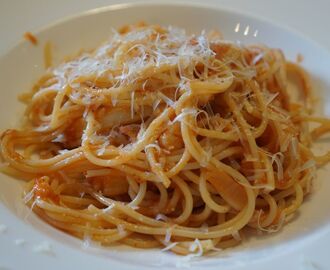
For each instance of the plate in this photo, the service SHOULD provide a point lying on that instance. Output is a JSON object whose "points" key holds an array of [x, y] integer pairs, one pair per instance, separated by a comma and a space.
{"points": [[27, 242]]}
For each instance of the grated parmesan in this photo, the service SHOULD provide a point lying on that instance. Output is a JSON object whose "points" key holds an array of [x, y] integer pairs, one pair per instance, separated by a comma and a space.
{"points": [[168, 235], [121, 230], [308, 165], [273, 228], [185, 262], [28, 196], [161, 217], [236, 235], [87, 242], [45, 248], [169, 246], [20, 242]]}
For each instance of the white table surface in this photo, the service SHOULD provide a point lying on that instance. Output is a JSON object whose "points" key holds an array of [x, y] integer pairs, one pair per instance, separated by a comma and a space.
{"points": [[311, 18]]}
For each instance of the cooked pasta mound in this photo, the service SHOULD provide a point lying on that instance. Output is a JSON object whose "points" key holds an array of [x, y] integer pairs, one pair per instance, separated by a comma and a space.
{"points": [[162, 139]]}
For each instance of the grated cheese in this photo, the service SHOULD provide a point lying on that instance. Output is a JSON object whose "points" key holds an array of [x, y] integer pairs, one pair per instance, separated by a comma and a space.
{"points": [[278, 165], [272, 228], [63, 151], [60, 138], [102, 149], [195, 247], [108, 209], [121, 230], [169, 246], [45, 248], [153, 145], [161, 217], [20, 242], [257, 58], [168, 235], [184, 113], [28, 196], [307, 165], [166, 99], [87, 242], [236, 235]]}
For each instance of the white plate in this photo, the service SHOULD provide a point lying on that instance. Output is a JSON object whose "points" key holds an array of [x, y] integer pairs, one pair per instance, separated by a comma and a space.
{"points": [[27, 242]]}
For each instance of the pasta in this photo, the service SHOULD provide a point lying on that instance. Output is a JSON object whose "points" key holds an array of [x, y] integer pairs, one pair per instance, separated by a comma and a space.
{"points": [[162, 139]]}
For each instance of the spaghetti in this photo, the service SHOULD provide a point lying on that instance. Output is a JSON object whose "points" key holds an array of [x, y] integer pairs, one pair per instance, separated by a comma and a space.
{"points": [[162, 139]]}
